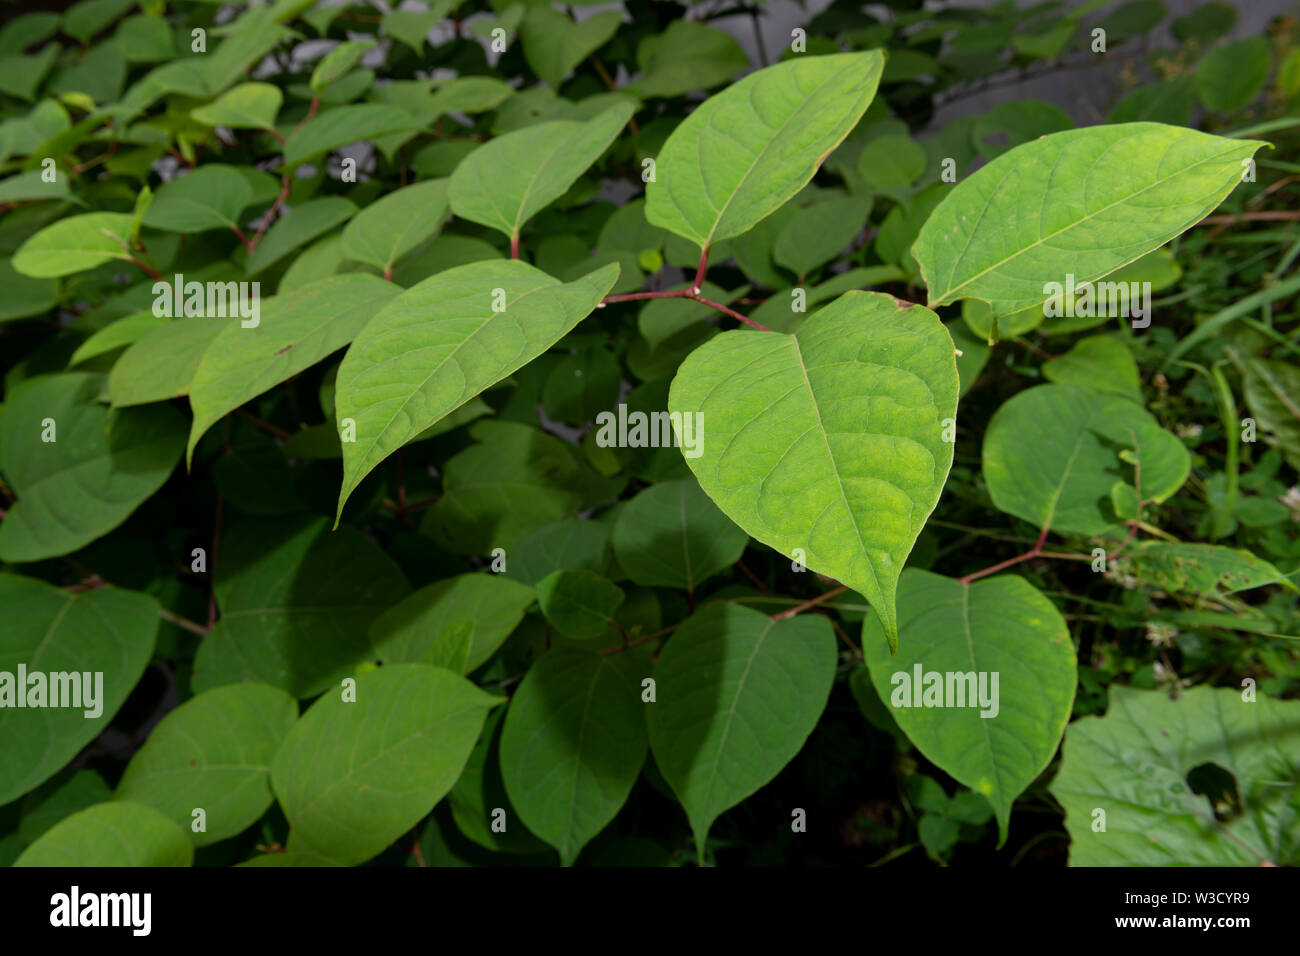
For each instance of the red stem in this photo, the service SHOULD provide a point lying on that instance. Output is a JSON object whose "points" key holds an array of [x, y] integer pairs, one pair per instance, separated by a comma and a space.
{"points": [[270, 214], [514, 246]]}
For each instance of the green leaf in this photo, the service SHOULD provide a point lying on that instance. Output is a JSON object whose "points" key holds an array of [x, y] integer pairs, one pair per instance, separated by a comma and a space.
{"points": [[1272, 391], [573, 745], [507, 180], [296, 603], [687, 56], [451, 648], [97, 469], [160, 364], [344, 125], [294, 332], [213, 752], [1206, 570], [59, 798], [411, 27], [395, 224], [29, 187], [554, 44], [580, 604], [109, 631], [247, 106], [111, 834], [74, 244], [1082, 202], [1230, 77], [1005, 667], [743, 153], [672, 535], [211, 197], [890, 161], [570, 545], [338, 61], [25, 296], [1052, 453], [83, 20], [1168, 101], [480, 792], [442, 342], [818, 233], [1134, 764], [738, 694], [353, 776], [830, 440], [298, 227], [494, 605], [1103, 362]]}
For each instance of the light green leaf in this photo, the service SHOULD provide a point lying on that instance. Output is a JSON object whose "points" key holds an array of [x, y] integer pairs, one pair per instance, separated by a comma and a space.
{"points": [[395, 224], [99, 467], [353, 776], [1207, 570], [738, 694], [494, 605], [294, 332], [573, 745], [109, 631], [343, 125], [818, 233], [299, 226], [247, 106], [211, 197], [1134, 764], [687, 56], [213, 752], [554, 44], [1103, 362], [830, 440], [296, 603], [580, 604], [411, 27], [83, 20], [29, 187], [1005, 669], [504, 182], [743, 153], [161, 363], [1052, 453], [445, 340], [74, 245], [891, 161], [451, 648], [338, 61], [111, 834], [672, 535], [1082, 202]]}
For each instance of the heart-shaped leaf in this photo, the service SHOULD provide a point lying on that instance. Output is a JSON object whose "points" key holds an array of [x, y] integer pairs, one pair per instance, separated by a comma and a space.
{"points": [[213, 753], [109, 631], [829, 441], [294, 332], [111, 834], [77, 469], [580, 604], [983, 680], [573, 744], [1081, 202], [1133, 765], [1052, 454], [443, 341], [74, 245], [737, 694], [507, 180], [554, 44], [211, 197], [354, 775], [744, 152], [247, 106]]}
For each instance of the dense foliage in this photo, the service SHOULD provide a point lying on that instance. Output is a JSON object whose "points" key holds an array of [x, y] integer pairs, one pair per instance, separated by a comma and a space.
{"points": [[486, 432]]}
